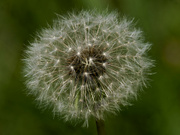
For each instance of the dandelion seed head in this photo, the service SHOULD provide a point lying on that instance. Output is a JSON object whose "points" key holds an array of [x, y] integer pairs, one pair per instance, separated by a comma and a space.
{"points": [[87, 64]]}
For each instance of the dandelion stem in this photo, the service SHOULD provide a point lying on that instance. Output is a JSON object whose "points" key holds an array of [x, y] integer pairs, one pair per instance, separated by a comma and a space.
{"points": [[100, 127]]}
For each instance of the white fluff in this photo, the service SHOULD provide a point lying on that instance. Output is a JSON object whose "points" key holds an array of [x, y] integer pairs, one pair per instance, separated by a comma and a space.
{"points": [[125, 72]]}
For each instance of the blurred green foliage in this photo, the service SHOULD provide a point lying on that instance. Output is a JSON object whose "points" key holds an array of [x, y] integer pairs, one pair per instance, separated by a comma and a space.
{"points": [[157, 110]]}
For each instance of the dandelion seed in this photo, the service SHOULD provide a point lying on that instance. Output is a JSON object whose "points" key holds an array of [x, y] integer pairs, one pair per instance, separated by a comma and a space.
{"points": [[72, 67], [104, 64], [87, 64], [78, 53], [69, 49]]}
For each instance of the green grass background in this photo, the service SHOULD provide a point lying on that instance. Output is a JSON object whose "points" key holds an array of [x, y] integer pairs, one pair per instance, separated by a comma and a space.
{"points": [[157, 110]]}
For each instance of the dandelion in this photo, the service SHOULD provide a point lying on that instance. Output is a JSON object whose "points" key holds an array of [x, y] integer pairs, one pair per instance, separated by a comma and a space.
{"points": [[87, 64]]}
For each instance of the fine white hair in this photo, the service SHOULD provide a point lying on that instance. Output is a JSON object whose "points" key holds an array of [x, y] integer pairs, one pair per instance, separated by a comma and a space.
{"points": [[87, 64]]}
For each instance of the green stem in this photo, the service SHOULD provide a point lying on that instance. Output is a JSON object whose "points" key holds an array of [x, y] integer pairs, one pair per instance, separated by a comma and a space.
{"points": [[100, 127]]}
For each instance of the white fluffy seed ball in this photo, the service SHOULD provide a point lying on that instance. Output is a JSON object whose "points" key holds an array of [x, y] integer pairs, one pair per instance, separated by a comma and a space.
{"points": [[87, 64]]}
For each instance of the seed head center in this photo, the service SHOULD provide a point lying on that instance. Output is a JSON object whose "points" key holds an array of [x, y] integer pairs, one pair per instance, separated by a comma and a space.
{"points": [[87, 64]]}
